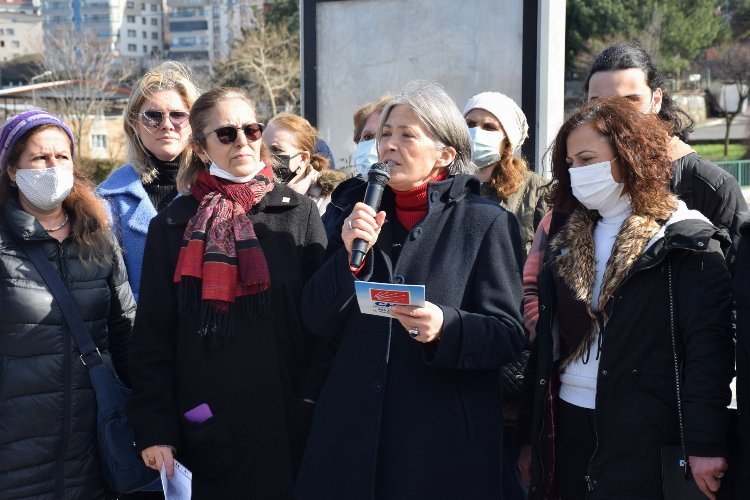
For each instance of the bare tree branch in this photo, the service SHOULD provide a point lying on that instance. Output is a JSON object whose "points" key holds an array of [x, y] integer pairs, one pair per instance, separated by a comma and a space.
{"points": [[95, 71], [732, 65], [265, 61]]}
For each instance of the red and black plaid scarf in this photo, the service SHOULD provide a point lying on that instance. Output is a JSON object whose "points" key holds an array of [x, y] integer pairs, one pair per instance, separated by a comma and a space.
{"points": [[221, 266]]}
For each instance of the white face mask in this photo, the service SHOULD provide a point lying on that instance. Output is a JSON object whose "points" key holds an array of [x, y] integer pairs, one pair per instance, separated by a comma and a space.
{"points": [[45, 188], [485, 146], [366, 155], [594, 186], [217, 171]]}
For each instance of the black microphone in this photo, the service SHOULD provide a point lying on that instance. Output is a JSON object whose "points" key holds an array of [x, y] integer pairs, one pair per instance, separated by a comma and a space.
{"points": [[377, 178]]}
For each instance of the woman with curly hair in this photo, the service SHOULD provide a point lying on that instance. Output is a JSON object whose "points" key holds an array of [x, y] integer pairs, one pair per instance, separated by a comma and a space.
{"points": [[498, 128], [625, 259]]}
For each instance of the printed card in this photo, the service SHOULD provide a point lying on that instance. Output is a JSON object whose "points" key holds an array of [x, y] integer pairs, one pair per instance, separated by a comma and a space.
{"points": [[377, 298]]}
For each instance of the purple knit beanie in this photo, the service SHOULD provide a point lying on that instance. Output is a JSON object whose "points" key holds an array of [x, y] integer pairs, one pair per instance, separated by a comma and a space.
{"points": [[18, 125]]}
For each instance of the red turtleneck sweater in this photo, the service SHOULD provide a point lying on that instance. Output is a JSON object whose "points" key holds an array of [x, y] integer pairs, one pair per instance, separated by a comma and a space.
{"points": [[411, 205]]}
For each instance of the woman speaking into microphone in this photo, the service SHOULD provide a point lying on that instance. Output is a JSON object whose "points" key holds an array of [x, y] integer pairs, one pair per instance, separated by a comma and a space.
{"points": [[411, 406]]}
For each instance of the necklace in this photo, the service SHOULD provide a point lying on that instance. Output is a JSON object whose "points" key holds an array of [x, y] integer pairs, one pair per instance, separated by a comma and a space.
{"points": [[57, 228]]}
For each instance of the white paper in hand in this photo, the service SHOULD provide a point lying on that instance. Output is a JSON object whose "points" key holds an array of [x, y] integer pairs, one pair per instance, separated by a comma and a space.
{"points": [[180, 485]]}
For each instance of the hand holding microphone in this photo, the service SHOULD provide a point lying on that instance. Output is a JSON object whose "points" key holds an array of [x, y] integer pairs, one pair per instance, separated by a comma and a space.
{"points": [[361, 228]]}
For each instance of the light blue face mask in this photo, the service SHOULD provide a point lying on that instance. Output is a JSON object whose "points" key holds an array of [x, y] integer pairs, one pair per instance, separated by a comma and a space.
{"points": [[485, 146], [366, 155]]}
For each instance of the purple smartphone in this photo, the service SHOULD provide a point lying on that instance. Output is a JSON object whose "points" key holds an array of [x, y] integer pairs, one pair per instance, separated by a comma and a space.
{"points": [[199, 414]]}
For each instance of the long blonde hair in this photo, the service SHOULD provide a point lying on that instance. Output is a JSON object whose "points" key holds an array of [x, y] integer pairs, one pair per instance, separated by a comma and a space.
{"points": [[169, 75]]}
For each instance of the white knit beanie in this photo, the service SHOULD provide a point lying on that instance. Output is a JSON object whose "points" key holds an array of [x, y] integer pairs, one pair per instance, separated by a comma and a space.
{"points": [[506, 111]]}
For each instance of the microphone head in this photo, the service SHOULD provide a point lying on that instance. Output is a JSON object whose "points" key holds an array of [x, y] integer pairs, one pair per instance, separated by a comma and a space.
{"points": [[379, 173]]}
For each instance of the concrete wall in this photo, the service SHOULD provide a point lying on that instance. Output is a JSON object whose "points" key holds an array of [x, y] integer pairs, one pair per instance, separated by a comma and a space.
{"points": [[369, 47]]}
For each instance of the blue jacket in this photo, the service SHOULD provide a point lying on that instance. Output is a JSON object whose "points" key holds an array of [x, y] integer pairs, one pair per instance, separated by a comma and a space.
{"points": [[131, 211]]}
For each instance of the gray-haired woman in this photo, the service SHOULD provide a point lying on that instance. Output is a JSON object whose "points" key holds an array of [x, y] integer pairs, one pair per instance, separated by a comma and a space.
{"points": [[156, 136], [411, 406]]}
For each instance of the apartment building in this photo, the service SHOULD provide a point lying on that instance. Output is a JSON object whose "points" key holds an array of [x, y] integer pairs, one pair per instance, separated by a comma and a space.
{"points": [[202, 32], [135, 29], [20, 28]]}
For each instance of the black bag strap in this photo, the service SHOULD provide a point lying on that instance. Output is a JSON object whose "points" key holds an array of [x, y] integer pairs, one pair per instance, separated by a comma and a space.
{"points": [[89, 353], [685, 462]]}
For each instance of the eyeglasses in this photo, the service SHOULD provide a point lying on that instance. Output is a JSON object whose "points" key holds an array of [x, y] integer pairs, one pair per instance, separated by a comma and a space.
{"points": [[228, 134], [154, 119]]}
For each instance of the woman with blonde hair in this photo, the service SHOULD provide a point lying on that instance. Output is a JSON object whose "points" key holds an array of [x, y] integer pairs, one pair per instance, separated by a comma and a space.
{"points": [[48, 440], [498, 128], [156, 134], [291, 140]]}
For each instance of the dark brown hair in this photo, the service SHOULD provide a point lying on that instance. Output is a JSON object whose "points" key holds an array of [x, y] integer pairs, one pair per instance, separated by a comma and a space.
{"points": [[89, 220], [639, 141]]}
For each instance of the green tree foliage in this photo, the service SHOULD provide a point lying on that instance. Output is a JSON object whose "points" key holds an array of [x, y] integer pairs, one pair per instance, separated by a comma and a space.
{"points": [[738, 14], [687, 28], [598, 19], [675, 32], [286, 12]]}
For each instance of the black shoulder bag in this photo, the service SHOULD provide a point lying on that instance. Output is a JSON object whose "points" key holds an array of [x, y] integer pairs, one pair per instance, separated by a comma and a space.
{"points": [[677, 480], [122, 468]]}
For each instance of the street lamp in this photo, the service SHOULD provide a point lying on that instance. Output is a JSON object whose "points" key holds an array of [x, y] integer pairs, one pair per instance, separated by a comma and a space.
{"points": [[33, 90]]}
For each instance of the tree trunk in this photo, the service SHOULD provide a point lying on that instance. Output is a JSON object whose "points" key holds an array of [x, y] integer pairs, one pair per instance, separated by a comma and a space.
{"points": [[729, 117]]}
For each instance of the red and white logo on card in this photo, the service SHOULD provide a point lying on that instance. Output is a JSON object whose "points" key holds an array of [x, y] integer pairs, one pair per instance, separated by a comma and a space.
{"points": [[392, 296]]}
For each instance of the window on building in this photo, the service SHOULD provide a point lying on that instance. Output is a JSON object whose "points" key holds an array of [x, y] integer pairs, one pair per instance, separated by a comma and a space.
{"points": [[98, 141], [143, 6], [15, 44], [154, 21], [145, 49], [130, 5], [145, 35], [188, 26], [2, 43], [132, 47], [154, 7], [131, 33], [143, 20], [2, 31], [130, 19], [154, 36], [10, 31]]}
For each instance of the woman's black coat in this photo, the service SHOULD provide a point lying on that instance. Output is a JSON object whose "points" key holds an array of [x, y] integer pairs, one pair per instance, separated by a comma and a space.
{"points": [[741, 466], [251, 447], [48, 446], [397, 418], [636, 404]]}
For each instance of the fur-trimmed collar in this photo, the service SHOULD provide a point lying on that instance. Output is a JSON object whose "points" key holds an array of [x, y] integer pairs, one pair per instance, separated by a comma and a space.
{"points": [[577, 266]]}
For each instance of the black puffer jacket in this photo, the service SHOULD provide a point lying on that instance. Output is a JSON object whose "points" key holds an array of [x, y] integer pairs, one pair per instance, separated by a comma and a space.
{"points": [[47, 405], [712, 191]]}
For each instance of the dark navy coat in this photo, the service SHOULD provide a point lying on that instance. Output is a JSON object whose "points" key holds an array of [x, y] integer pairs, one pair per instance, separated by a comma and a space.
{"points": [[398, 418]]}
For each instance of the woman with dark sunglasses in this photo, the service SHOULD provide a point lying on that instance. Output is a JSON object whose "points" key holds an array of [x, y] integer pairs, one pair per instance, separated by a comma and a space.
{"points": [[224, 374], [291, 140], [156, 135]]}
